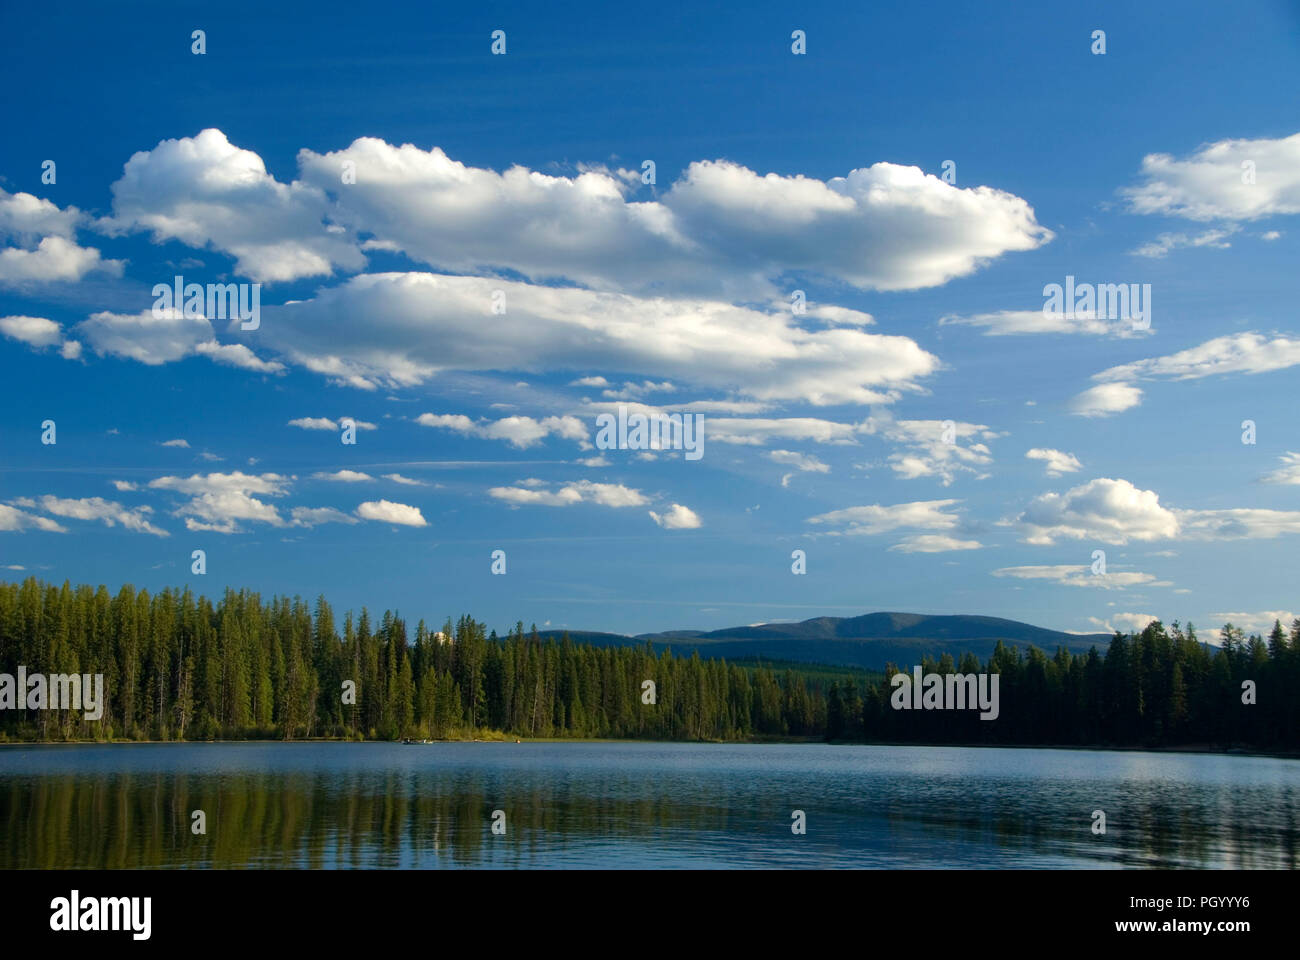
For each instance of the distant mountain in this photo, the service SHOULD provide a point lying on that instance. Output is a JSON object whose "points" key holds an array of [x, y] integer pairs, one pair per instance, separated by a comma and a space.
{"points": [[593, 637], [869, 641]]}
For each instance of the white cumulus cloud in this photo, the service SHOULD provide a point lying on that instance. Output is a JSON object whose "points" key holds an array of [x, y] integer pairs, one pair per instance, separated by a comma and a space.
{"points": [[47, 249], [1212, 184], [1106, 399], [206, 192], [220, 502], [875, 518], [1288, 473], [1081, 575], [420, 323], [108, 512], [719, 227], [1056, 462], [934, 543], [676, 517], [518, 431], [385, 511], [566, 495], [165, 337]]}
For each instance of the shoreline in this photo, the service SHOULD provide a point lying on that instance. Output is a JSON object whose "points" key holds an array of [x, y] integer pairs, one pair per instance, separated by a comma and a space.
{"points": [[1199, 749]]}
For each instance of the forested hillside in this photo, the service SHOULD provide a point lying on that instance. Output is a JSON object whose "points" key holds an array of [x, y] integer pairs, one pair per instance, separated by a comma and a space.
{"points": [[1160, 687], [178, 666], [868, 642]]}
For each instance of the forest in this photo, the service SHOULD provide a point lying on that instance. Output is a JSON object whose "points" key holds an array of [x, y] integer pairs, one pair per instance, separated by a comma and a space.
{"points": [[178, 667]]}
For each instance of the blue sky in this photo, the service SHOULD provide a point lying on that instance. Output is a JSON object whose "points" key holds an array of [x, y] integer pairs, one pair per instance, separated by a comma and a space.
{"points": [[774, 172]]}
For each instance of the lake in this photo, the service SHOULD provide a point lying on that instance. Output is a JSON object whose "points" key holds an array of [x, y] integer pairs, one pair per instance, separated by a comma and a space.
{"points": [[642, 805]]}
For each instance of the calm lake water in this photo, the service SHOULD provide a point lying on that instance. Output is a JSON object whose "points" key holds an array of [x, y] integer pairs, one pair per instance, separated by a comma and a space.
{"points": [[326, 805]]}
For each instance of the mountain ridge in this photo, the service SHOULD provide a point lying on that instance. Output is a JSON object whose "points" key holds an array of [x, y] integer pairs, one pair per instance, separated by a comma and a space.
{"points": [[869, 640]]}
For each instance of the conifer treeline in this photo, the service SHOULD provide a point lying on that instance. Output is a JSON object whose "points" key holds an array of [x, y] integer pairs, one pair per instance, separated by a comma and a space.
{"points": [[176, 666], [1160, 687]]}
